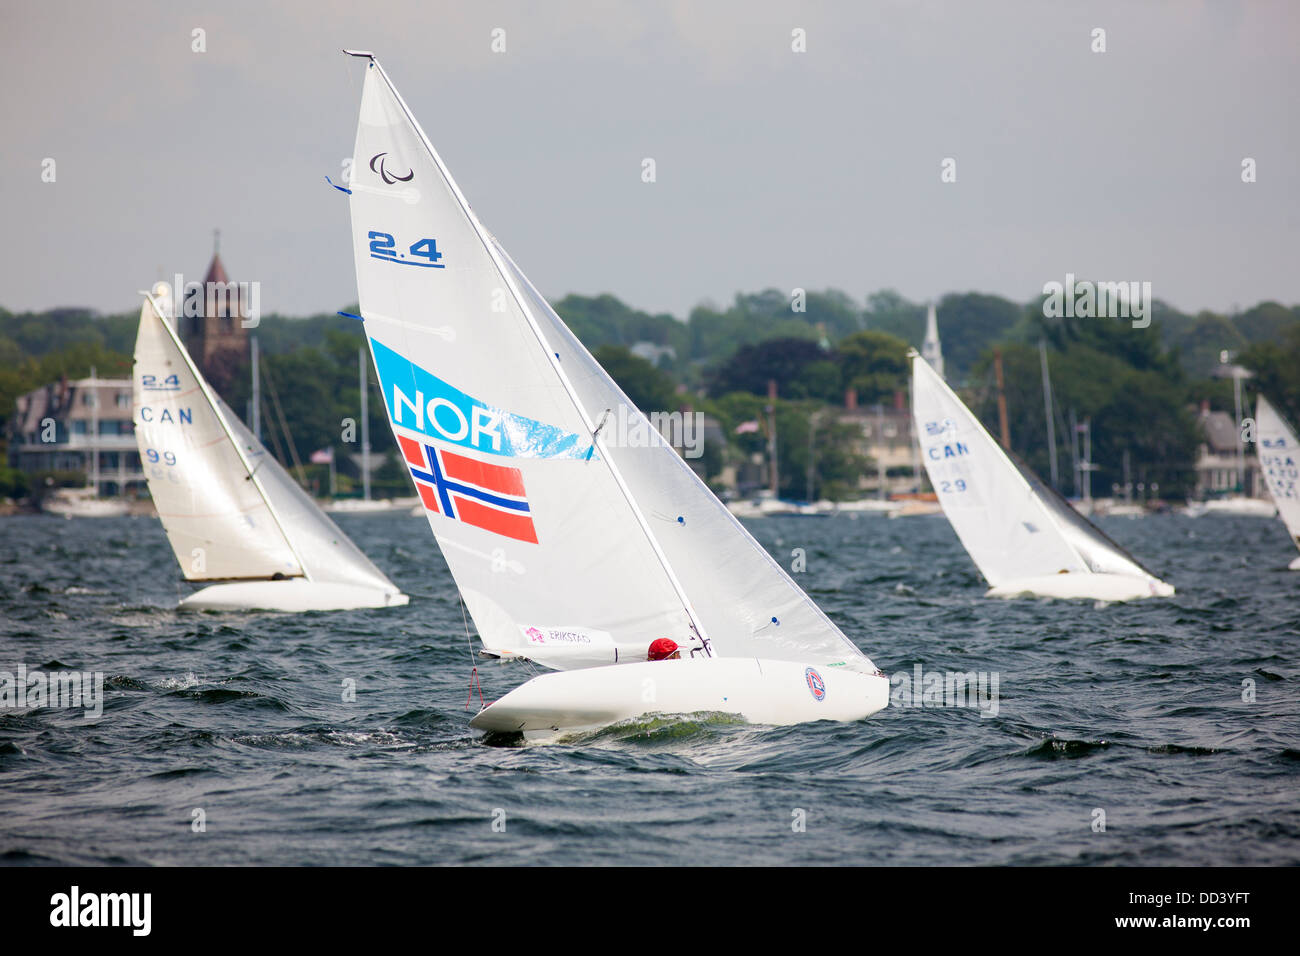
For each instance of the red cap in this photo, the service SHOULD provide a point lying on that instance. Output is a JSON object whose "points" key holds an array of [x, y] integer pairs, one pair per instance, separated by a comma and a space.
{"points": [[662, 649]]}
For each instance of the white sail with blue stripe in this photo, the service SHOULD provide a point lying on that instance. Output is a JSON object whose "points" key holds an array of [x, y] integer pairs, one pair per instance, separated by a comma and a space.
{"points": [[568, 549], [1279, 460]]}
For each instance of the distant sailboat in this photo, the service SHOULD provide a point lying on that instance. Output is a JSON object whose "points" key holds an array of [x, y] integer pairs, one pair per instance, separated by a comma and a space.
{"points": [[568, 550], [1279, 459], [231, 513], [1024, 538]]}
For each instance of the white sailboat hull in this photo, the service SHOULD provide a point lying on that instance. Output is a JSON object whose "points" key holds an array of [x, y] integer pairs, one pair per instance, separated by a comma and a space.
{"points": [[1087, 586], [761, 691], [294, 595], [1242, 507], [1294, 565], [82, 503]]}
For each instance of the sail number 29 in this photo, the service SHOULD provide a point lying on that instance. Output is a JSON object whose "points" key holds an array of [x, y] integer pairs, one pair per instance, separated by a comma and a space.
{"points": [[948, 487], [422, 252]]}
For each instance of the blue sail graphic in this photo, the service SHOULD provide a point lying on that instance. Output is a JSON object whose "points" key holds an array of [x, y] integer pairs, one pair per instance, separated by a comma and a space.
{"points": [[419, 400]]}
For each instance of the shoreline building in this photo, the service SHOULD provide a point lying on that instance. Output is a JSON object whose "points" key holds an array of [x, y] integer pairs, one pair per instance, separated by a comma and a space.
{"points": [[80, 425], [86, 425], [1223, 467], [885, 438]]}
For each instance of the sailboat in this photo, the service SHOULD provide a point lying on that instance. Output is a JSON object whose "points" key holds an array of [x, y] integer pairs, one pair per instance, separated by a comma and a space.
{"points": [[1025, 538], [571, 548], [234, 517], [1279, 459]]}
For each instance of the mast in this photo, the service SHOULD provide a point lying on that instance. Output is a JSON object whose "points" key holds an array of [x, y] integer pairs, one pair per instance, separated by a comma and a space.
{"points": [[1051, 419], [880, 458], [597, 441], [1236, 399], [1086, 464], [812, 451], [1128, 485], [1074, 456], [255, 413], [365, 424], [1002, 400], [771, 437], [94, 432]]}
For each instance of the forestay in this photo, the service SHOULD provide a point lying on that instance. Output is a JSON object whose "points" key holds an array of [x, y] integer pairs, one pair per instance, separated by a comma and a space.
{"points": [[566, 548], [1279, 459], [215, 514]]}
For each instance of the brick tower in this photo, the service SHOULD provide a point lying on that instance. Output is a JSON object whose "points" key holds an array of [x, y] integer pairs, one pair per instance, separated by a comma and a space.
{"points": [[217, 340]]}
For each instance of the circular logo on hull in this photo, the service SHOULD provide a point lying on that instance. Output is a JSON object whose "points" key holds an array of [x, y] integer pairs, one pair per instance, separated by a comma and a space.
{"points": [[816, 686]]}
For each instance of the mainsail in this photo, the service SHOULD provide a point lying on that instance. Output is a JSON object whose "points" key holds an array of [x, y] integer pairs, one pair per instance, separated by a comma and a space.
{"points": [[212, 507], [567, 547], [1013, 526], [230, 510], [1279, 459]]}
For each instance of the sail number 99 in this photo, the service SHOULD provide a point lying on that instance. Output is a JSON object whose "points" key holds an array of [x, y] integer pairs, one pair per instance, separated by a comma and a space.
{"points": [[167, 457]]}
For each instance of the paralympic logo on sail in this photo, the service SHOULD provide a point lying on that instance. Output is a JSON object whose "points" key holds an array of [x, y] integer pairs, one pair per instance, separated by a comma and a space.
{"points": [[419, 400]]}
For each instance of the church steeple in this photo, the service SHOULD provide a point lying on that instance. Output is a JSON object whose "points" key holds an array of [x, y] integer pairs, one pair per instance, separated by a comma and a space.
{"points": [[217, 338], [930, 348]]}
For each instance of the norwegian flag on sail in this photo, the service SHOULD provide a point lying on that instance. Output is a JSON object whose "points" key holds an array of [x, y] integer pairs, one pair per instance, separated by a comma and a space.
{"points": [[487, 496]]}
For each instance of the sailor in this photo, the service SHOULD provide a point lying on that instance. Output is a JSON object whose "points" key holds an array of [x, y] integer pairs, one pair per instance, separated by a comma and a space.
{"points": [[664, 649]]}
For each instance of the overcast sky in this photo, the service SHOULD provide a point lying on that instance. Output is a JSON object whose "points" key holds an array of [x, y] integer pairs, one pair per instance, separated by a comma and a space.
{"points": [[774, 168]]}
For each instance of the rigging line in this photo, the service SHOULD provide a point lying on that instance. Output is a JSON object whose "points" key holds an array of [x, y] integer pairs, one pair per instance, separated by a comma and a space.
{"points": [[288, 436], [273, 430], [473, 665], [469, 641]]}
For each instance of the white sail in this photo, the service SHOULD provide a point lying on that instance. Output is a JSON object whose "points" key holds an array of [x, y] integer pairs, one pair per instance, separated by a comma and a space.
{"points": [[231, 512], [1014, 527], [215, 515], [1279, 459], [326, 553], [566, 548]]}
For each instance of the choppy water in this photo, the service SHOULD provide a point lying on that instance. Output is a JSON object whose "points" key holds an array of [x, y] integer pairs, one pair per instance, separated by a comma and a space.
{"points": [[1136, 710]]}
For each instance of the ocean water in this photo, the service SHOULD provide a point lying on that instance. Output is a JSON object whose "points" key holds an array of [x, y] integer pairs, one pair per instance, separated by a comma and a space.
{"points": [[1137, 715]]}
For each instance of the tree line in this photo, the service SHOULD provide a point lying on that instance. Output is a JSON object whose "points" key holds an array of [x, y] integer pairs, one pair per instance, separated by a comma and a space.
{"points": [[1138, 388]]}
